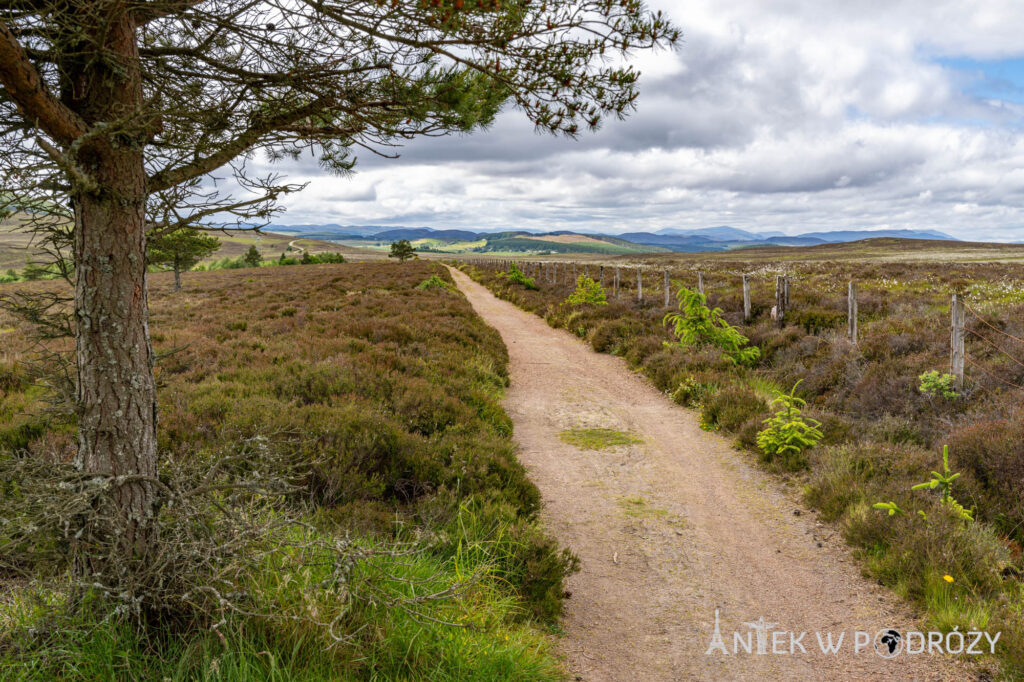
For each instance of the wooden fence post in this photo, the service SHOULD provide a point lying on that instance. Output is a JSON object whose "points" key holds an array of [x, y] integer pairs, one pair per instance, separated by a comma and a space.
{"points": [[639, 285], [602, 276], [667, 287], [851, 311], [780, 301], [956, 355], [746, 298], [616, 281], [700, 282]]}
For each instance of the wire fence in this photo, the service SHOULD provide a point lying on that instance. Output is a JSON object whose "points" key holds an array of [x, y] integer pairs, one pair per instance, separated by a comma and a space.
{"points": [[652, 287], [999, 350]]}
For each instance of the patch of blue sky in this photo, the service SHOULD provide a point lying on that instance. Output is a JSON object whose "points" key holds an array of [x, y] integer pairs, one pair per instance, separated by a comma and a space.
{"points": [[997, 79]]}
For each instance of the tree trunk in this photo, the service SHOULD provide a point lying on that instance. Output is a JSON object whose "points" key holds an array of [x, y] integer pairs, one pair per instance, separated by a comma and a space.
{"points": [[116, 389], [177, 276]]}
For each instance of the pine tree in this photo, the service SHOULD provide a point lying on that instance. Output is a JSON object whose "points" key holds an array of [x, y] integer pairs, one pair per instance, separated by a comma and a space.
{"points": [[115, 115], [402, 250], [180, 250], [252, 257]]}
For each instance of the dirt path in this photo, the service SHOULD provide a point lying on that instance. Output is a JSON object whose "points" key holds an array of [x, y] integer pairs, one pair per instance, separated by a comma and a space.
{"points": [[673, 528]]}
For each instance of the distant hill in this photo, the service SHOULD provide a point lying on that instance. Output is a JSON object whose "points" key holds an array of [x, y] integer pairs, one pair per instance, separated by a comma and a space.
{"points": [[721, 233], [426, 233], [802, 240], [857, 235], [329, 229], [876, 249], [694, 243], [696, 240]]}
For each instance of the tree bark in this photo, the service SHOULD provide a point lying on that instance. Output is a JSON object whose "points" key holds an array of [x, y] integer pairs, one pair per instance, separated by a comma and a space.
{"points": [[177, 276], [116, 388]]}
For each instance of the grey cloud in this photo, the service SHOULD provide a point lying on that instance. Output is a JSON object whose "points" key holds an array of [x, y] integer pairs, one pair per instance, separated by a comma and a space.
{"points": [[344, 191], [773, 114]]}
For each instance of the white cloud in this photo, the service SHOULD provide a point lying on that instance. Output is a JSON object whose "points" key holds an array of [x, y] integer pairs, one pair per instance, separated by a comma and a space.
{"points": [[773, 114]]}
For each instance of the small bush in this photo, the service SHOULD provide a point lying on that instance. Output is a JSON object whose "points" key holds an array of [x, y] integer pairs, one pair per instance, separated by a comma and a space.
{"points": [[787, 434], [516, 276], [434, 282], [935, 384], [588, 292], [697, 324]]}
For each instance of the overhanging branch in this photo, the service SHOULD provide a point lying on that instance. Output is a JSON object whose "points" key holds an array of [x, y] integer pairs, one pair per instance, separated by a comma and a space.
{"points": [[26, 88]]}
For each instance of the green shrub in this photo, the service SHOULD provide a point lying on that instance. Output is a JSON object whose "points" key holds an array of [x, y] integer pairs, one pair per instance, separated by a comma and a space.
{"points": [[516, 276], [787, 434], [328, 257], [434, 282], [697, 324], [588, 292], [942, 483], [933, 384]]}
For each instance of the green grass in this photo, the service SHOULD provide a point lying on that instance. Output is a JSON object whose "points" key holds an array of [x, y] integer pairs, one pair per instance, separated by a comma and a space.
{"points": [[640, 508], [478, 635], [597, 439]]}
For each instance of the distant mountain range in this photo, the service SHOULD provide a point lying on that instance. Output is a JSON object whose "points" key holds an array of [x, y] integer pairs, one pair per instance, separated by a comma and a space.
{"points": [[719, 238]]}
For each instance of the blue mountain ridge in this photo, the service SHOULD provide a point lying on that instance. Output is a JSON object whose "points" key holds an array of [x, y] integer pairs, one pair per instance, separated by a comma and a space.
{"points": [[716, 238]]}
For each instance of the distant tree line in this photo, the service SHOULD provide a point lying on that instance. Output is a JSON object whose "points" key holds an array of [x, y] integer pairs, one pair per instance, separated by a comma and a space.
{"points": [[178, 252]]}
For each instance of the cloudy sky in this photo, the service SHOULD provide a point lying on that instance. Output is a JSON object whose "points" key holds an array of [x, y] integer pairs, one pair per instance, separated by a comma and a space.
{"points": [[791, 115]]}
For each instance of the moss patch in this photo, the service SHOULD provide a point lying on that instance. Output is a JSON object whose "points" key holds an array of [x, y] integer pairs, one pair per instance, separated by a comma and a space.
{"points": [[639, 508], [597, 439]]}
